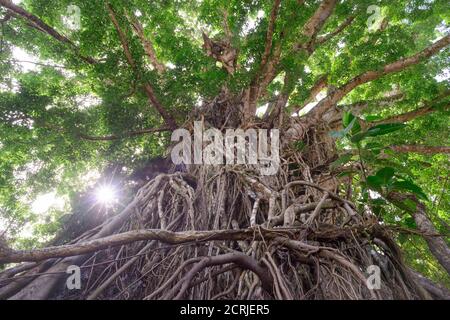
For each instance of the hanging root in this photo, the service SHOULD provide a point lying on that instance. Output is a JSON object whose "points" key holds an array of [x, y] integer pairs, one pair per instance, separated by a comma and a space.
{"points": [[225, 233]]}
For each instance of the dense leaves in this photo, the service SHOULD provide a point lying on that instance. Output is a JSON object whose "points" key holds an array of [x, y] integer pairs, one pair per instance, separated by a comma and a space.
{"points": [[55, 109]]}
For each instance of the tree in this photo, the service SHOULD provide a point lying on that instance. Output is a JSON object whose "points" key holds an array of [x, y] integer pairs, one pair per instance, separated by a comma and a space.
{"points": [[357, 93]]}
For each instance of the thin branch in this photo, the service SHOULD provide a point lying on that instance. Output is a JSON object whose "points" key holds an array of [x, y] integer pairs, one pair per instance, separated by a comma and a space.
{"points": [[269, 34], [415, 148], [146, 43], [408, 116], [359, 106], [242, 260], [338, 30], [36, 63], [317, 210], [124, 135], [122, 37], [148, 89], [266, 71], [170, 121]]}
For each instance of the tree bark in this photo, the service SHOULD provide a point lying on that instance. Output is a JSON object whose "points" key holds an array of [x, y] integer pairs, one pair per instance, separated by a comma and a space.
{"points": [[436, 244]]}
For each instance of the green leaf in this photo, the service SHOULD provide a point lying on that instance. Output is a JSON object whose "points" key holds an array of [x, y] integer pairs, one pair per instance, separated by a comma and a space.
{"points": [[372, 145], [347, 119], [409, 186], [378, 130], [370, 118], [299, 145], [385, 128], [341, 161], [350, 123], [358, 137], [374, 182], [410, 222], [386, 174]]}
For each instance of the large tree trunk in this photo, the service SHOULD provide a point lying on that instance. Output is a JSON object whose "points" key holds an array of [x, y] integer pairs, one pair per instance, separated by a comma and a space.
{"points": [[436, 242], [306, 241]]}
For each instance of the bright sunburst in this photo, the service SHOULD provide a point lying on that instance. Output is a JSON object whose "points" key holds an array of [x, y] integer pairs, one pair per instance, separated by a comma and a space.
{"points": [[105, 194]]}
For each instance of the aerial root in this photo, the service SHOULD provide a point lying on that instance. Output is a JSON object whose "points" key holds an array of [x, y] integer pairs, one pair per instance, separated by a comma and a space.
{"points": [[293, 240]]}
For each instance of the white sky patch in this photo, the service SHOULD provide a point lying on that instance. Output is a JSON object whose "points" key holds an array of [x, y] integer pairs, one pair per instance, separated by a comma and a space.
{"points": [[279, 78], [3, 225], [322, 94], [26, 231], [442, 30], [86, 101], [195, 25], [170, 65], [340, 47], [13, 87], [31, 63], [138, 151], [44, 202], [198, 101], [261, 110], [90, 177], [28, 169], [443, 76], [67, 73], [249, 63], [26, 61], [250, 24], [374, 194]]}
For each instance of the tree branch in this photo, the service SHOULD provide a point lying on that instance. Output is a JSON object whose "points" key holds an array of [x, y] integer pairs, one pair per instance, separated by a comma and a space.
{"points": [[41, 26], [266, 69], [368, 76], [125, 135], [313, 26], [430, 150], [170, 237], [359, 106], [437, 245], [435, 289], [148, 89], [338, 30], [148, 46], [408, 116], [269, 34], [122, 37]]}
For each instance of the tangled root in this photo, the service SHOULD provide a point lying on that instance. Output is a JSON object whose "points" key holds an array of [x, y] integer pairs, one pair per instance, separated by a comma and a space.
{"points": [[322, 251]]}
